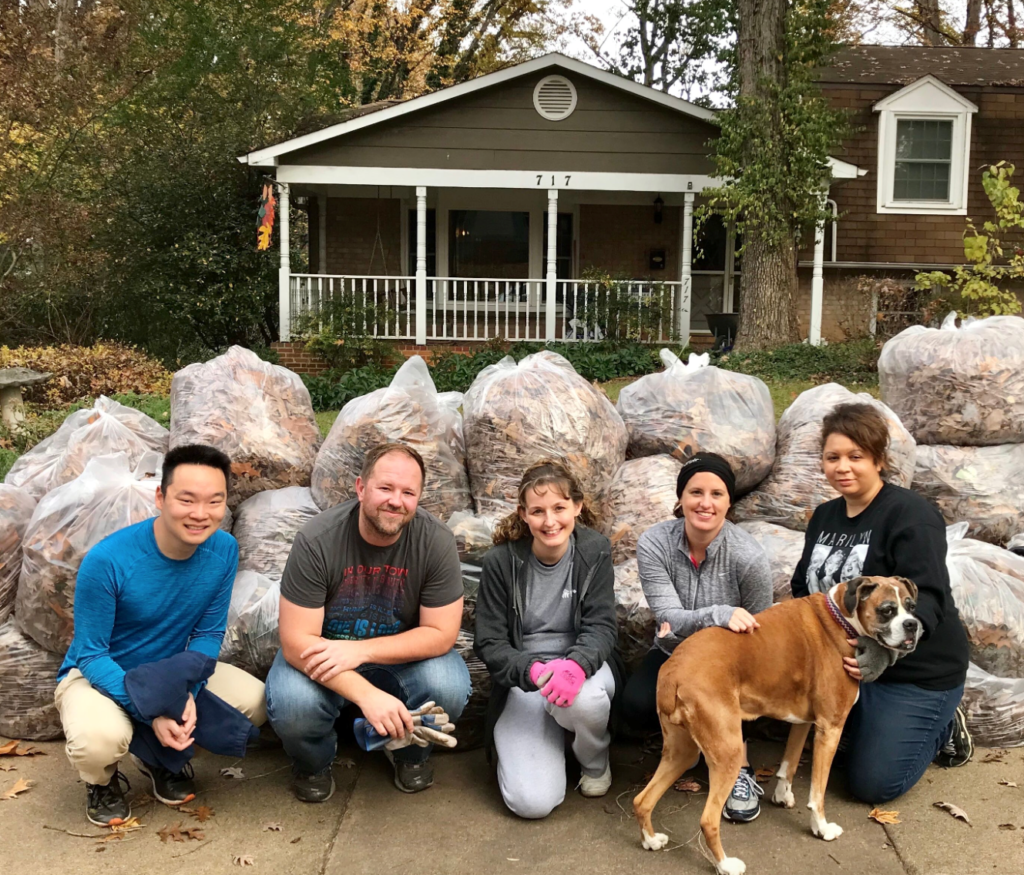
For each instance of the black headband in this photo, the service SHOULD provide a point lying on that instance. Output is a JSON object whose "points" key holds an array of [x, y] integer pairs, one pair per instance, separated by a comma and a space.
{"points": [[713, 464]]}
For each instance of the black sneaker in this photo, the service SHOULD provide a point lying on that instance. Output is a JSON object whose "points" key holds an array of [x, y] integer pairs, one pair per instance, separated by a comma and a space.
{"points": [[107, 805], [411, 777], [313, 786], [959, 749], [169, 787]]}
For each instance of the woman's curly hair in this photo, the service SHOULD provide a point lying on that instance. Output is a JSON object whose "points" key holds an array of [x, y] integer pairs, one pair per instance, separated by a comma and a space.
{"points": [[550, 473]]}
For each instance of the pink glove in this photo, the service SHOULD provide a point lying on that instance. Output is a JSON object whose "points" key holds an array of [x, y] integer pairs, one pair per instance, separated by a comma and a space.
{"points": [[539, 673], [566, 680]]}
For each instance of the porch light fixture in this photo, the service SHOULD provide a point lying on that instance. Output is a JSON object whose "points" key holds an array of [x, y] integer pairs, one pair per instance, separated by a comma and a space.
{"points": [[658, 206]]}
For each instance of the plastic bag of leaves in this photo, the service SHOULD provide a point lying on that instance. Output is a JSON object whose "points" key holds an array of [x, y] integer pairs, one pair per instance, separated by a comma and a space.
{"points": [[515, 414], [473, 535], [258, 413], [980, 485], [28, 677], [960, 386], [693, 407], [796, 485], [1016, 544], [471, 727], [406, 412], [784, 548], [635, 618], [65, 525], [106, 427], [470, 587], [642, 493], [451, 406], [266, 525], [995, 708], [16, 506], [251, 639], [988, 588]]}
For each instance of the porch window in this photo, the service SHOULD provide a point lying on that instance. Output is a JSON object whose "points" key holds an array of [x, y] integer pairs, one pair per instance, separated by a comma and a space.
{"points": [[924, 159], [488, 243]]}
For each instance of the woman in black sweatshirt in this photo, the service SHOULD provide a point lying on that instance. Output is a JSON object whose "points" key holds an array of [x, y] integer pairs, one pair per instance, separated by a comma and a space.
{"points": [[910, 716]]}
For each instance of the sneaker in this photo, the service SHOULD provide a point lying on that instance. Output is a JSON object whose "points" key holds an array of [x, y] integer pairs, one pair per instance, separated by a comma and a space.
{"points": [[313, 786], [959, 749], [743, 804], [594, 787], [171, 788], [107, 805], [411, 777]]}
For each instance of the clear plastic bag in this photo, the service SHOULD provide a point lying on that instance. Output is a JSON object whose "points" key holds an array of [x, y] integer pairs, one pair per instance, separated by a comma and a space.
{"points": [[988, 587], [980, 485], [516, 414], [106, 427], [410, 412], [266, 525], [257, 413], [995, 708], [470, 587], [959, 386], [251, 639], [784, 548], [1016, 542], [689, 408], [16, 506], [635, 617], [66, 524], [796, 485], [28, 678], [642, 493], [473, 535]]}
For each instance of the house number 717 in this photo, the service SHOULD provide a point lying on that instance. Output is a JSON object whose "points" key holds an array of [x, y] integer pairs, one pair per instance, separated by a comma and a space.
{"points": [[540, 179]]}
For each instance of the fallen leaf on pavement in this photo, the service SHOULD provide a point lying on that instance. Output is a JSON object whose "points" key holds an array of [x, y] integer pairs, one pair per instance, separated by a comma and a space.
{"points": [[1007, 826], [11, 749], [955, 810], [879, 816], [687, 785], [345, 763], [235, 773], [295, 840], [243, 860], [1008, 783], [113, 837], [272, 827], [763, 774], [20, 786], [8, 747], [993, 756], [203, 813], [8, 767], [130, 825], [177, 834]]}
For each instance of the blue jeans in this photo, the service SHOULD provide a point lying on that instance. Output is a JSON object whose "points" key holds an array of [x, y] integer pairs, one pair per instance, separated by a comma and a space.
{"points": [[893, 733], [303, 712]]}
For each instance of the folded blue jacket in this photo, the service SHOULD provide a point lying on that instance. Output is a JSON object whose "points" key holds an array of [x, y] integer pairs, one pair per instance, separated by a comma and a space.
{"points": [[161, 689]]}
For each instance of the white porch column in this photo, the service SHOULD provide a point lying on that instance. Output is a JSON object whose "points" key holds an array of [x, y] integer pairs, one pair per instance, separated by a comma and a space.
{"points": [[284, 295], [817, 280], [421, 265], [551, 258], [322, 230], [685, 271]]}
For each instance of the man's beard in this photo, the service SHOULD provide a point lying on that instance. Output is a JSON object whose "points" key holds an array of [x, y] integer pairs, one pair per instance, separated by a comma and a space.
{"points": [[385, 527]]}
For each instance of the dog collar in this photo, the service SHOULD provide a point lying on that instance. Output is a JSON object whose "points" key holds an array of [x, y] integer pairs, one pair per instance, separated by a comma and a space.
{"points": [[833, 609]]}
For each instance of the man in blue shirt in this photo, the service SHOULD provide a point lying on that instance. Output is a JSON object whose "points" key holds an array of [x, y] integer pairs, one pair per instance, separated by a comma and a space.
{"points": [[145, 593]]}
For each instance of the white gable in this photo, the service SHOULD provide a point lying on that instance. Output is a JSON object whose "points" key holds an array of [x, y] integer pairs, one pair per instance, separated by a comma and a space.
{"points": [[927, 94]]}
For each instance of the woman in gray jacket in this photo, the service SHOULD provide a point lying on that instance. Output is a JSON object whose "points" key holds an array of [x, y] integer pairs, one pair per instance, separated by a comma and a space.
{"points": [[545, 628], [699, 570]]}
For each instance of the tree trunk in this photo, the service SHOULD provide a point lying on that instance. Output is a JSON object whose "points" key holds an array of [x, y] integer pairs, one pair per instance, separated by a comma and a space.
{"points": [[930, 18], [973, 22], [769, 266]]}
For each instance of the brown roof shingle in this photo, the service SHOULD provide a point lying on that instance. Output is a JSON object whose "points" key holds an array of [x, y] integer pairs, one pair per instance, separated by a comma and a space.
{"points": [[900, 65]]}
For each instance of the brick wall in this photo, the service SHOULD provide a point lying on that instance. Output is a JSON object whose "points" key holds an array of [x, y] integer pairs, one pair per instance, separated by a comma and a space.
{"points": [[294, 355], [619, 239], [352, 245]]}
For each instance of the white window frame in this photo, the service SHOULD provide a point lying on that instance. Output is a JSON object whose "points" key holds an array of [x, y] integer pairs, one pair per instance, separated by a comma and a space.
{"points": [[927, 99]]}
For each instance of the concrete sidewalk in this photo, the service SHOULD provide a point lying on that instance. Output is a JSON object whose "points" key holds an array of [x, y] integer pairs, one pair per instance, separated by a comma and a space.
{"points": [[461, 825]]}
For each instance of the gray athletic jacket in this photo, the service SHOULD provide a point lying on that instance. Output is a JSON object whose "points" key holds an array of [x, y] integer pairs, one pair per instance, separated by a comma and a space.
{"points": [[735, 573]]}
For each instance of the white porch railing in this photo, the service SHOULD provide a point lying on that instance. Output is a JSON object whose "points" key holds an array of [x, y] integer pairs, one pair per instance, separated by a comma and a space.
{"points": [[459, 309]]}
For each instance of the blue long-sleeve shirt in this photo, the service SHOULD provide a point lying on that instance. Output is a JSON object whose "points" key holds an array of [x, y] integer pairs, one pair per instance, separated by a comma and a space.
{"points": [[133, 605]]}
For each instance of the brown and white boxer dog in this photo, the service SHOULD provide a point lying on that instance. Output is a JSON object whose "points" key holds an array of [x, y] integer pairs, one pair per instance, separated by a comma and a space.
{"points": [[791, 668]]}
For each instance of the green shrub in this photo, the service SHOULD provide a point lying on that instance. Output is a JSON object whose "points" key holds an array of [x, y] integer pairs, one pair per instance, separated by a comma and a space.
{"points": [[333, 390], [855, 361]]}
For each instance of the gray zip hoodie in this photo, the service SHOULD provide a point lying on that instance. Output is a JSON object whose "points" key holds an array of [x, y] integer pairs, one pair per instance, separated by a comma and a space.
{"points": [[735, 573]]}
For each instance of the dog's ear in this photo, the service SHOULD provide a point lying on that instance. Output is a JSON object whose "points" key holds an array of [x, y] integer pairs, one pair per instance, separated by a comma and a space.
{"points": [[910, 585], [857, 590]]}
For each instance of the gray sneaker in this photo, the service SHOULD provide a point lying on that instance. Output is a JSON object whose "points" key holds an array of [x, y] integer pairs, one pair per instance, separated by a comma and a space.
{"points": [[744, 804], [313, 786]]}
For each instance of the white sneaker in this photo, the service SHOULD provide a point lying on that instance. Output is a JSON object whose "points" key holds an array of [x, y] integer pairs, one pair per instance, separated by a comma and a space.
{"points": [[593, 787]]}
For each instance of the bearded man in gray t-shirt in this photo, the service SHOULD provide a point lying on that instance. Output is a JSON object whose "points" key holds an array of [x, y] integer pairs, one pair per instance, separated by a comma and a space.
{"points": [[371, 604]]}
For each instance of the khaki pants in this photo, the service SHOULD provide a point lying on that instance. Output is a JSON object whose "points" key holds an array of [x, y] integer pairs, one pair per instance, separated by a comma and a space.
{"points": [[98, 730]]}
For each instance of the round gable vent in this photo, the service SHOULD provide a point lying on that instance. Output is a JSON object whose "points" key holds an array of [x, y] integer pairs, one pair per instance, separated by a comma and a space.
{"points": [[554, 98]]}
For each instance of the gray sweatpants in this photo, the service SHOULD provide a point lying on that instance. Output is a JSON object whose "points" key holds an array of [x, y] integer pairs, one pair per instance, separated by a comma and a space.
{"points": [[530, 741]]}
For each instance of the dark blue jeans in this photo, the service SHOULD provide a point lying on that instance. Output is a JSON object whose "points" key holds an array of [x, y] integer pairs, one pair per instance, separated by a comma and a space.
{"points": [[303, 712], [893, 733]]}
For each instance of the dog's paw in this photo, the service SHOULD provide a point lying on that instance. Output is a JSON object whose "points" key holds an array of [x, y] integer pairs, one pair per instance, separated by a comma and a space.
{"points": [[654, 842], [827, 831], [731, 866], [783, 795]]}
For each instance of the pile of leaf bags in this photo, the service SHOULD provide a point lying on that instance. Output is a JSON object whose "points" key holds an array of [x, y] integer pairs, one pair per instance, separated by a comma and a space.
{"points": [[642, 493], [784, 547], [251, 639], [694, 407], [959, 386], [16, 506], [106, 427], [68, 522], [988, 587], [266, 525], [635, 617], [516, 414], [796, 484], [473, 535], [257, 413], [995, 708], [28, 678], [409, 411]]}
